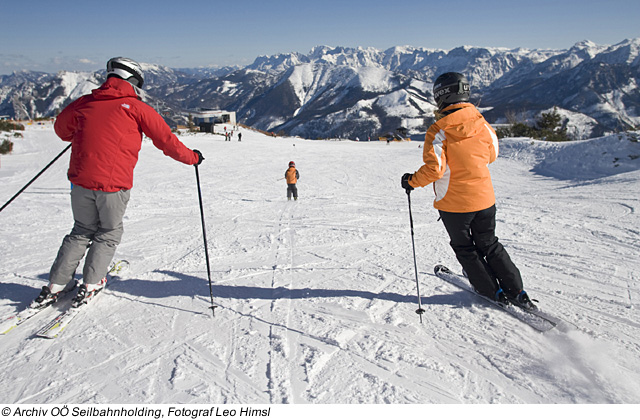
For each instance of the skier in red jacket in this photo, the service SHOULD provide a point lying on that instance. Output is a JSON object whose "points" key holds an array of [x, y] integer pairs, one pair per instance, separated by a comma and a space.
{"points": [[105, 129]]}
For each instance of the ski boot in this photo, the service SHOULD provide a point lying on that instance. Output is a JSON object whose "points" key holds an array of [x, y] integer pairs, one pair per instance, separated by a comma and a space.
{"points": [[46, 297], [522, 300], [501, 298], [87, 291]]}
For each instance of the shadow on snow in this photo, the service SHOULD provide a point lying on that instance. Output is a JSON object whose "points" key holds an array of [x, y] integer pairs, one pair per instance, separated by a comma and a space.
{"points": [[190, 286]]}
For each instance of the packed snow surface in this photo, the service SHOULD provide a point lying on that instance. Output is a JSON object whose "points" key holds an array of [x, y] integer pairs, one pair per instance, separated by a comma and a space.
{"points": [[317, 297]]}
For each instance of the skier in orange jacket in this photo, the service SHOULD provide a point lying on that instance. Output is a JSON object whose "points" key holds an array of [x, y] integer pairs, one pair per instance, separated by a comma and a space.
{"points": [[292, 175], [458, 148]]}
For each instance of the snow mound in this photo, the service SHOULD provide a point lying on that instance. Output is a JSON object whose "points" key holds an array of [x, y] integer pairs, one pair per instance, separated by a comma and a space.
{"points": [[577, 160]]}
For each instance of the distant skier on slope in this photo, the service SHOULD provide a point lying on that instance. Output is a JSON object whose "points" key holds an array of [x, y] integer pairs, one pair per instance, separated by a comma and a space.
{"points": [[457, 150], [292, 175], [105, 129]]}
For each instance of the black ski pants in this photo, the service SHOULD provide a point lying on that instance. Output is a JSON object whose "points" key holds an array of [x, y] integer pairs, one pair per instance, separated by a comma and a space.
{"points": [[483, 258], [292, 189]]}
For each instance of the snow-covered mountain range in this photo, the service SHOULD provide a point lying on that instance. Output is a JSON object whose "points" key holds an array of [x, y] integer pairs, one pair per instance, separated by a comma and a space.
{"points": [[361, 92]]}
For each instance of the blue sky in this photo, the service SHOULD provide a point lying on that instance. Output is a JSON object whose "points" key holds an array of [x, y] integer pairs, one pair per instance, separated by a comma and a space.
{"points": [[82, 35]]}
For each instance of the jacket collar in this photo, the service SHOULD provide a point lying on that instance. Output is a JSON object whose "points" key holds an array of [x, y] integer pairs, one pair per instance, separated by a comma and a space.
{"points": [[115, 88], [456, 107]]}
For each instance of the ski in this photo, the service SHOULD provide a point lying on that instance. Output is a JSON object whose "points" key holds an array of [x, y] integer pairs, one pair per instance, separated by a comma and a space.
{"points": [[535, 318], [11, 322], [58, 325]]}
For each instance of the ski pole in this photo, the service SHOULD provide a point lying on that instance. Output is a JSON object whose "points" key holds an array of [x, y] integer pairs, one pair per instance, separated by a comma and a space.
{"points": [[34, 178], [204, 235], [419, 311]]}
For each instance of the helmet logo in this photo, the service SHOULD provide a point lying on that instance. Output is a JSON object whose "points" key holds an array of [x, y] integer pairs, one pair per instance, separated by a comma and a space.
{"points": [[441, 92]]}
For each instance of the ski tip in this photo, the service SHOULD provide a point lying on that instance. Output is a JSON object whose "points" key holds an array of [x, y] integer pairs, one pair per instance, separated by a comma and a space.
{"points": [[49, 337], [440, 268], [118, 267]]}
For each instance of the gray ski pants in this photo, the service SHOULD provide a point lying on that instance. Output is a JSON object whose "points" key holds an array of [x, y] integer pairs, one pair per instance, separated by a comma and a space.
{"points": [[98, 226]]}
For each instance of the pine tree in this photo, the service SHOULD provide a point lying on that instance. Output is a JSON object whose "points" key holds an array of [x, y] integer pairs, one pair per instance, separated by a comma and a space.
{"points": [[547, 127]]}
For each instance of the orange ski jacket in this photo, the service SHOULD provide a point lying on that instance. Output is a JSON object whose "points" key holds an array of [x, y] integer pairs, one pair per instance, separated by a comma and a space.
{"points": [[292, 175], [457, 151]]}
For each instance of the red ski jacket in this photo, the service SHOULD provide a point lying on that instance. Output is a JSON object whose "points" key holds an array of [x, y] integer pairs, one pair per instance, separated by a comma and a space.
{"points": [[105, 129]]}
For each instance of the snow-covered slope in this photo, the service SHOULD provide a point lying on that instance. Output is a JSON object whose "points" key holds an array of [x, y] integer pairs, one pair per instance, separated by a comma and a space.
{"points": [[317, 297]]}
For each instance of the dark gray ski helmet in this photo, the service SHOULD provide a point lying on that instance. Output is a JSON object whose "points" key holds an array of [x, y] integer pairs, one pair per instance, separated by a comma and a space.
{"points": [[450, 88]]}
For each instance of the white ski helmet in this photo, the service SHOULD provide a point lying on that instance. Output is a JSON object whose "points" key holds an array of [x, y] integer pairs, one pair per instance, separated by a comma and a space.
{"points": [[126, 69]]}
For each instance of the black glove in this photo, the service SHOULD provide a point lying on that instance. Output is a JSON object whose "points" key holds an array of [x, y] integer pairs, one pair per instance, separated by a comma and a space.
{"points": [[405, 182], [200, 157]]}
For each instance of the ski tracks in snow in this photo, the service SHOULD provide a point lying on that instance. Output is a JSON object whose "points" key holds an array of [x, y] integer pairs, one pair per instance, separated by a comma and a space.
{"points": [[283, 377], [304, 341]]}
